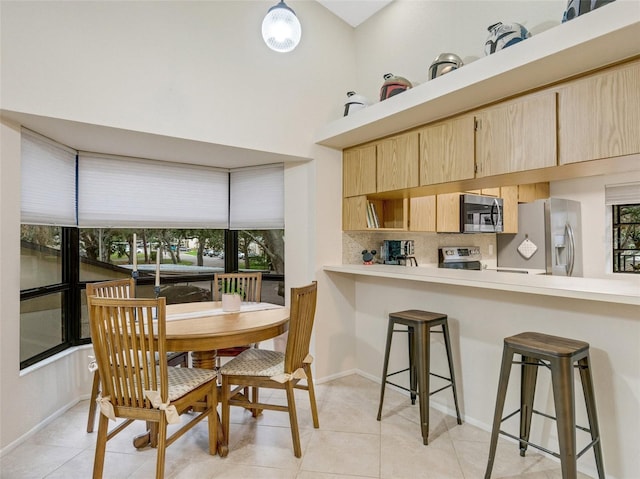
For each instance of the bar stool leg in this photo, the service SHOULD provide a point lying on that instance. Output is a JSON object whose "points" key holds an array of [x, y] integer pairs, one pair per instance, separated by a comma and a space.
{"points": [[447, 345], [421, 336], [563, 398], [413, 375], [385, 367], [503, 382], [590, 401], [527, 393]]}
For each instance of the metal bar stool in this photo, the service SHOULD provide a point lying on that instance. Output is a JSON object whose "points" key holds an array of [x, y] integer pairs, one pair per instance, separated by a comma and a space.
{"points": [[559, 355], [419, 324]]}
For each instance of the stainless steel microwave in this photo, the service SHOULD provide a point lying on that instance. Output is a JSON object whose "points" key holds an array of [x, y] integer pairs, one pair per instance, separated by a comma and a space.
{"points": [[480, 214]]}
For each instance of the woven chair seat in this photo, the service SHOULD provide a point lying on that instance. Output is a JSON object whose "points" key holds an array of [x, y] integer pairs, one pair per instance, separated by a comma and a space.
{"points": [[255, 362], [184, 380]]}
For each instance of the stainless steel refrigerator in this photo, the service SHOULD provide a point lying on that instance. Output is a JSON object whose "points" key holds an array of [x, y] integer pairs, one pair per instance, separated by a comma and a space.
{"points": [[548, 238]]}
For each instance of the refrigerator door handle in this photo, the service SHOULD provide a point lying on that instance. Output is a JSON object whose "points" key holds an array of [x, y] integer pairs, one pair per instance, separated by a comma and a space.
{"points": [[571, 247]]}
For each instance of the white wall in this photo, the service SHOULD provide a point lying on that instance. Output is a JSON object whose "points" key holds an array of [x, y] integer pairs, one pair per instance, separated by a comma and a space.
{"points": [[195, 70], [406, 36]]}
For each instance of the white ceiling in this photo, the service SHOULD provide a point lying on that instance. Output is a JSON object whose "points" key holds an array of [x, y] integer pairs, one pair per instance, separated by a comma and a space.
{"points": [[354, 12]]}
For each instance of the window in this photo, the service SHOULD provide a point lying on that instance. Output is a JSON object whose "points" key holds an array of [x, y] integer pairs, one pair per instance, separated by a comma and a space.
{"points": [[626, 238], [623, 201], [70, 235]]}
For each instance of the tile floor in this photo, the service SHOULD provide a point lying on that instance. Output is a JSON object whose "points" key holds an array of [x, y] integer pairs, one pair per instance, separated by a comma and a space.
{"points": [[349, 444]]}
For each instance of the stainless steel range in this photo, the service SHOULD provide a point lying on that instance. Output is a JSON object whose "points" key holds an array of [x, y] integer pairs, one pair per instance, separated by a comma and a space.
{"points": [[459, 257]]}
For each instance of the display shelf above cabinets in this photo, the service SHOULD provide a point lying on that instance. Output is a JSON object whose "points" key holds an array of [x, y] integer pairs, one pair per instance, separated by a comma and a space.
{"points": [[606, 36]]}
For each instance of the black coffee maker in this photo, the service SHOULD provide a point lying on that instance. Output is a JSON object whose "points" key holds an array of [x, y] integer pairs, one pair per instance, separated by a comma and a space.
{"points": [[400, 252]]}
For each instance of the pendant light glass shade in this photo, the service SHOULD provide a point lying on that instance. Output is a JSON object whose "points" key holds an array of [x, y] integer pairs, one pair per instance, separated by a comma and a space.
{"points": [[281, 28]]}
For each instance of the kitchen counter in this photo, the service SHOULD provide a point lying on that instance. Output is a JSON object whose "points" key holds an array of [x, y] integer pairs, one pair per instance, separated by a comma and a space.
{"points": [[624, 290]]}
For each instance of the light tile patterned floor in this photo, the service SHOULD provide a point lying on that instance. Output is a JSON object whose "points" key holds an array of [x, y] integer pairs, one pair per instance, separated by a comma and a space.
{"points": [[350, 443]]}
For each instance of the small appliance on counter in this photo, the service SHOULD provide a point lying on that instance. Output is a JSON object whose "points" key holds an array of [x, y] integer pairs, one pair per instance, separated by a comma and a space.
{"points": [[548, 238], [480, 214], [459, 257], [398, 252]]}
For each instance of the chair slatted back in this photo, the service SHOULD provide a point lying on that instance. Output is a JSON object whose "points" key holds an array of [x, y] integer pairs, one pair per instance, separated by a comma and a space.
{"points": [[249, 284], [117, 288], [122, 331], [301, 317]]}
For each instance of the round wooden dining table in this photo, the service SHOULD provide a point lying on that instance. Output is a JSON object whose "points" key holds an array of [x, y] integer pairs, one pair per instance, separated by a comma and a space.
{"points": [[203, 327]]}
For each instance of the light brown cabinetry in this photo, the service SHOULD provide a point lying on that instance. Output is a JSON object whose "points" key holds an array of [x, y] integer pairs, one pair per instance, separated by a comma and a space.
{"points": [[359, 171], [393, 214], [599, 115], [447, 151], [398, 163], [516, 135], [422, 213], [448, 213], [354, 213]]}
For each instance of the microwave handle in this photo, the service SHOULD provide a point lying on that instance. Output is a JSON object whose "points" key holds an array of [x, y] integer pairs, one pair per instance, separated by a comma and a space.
{"points": [[496, 204]]}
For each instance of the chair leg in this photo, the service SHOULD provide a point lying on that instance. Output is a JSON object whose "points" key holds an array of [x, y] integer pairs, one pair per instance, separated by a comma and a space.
{"points": [[255, 398], [590, 401], [385, 367], [293, 419], [212, 419], [95, 389], [527, 394], [225, 409], [413, 372], [101, 446], [452, 374], [421, 338], [563, 398], [312, 396], [162, 446], [503, 382]]}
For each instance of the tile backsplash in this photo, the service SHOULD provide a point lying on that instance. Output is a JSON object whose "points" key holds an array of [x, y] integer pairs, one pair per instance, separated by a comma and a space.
{"points": [[426, 245]]}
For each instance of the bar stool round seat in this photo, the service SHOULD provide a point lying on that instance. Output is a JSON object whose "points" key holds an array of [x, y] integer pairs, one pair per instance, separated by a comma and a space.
{"points": [[559, 355], [419, 324]]}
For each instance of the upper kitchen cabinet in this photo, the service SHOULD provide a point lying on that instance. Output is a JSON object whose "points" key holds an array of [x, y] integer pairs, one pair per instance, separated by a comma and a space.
{"points": [[398, 162], [359, 171], [447, 151], [599, 115], [516, 135]]}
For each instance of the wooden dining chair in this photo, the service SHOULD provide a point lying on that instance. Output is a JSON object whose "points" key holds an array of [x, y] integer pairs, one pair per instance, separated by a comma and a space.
{"points": [[119, 288], [262, 368], [250, 287], [128, 335]]}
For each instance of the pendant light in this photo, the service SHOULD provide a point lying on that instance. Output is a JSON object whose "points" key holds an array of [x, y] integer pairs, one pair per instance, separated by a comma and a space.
{"points": [[281, 28]]}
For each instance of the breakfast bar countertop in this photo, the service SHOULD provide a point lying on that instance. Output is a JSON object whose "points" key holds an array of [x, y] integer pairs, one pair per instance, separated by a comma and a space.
{"points": [[622, 289]]}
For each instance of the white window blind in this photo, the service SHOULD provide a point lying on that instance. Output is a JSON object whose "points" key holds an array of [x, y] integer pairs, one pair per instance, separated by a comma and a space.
{"points": [[133, 192], [257, 198], [623, 194], [48, 182]]}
